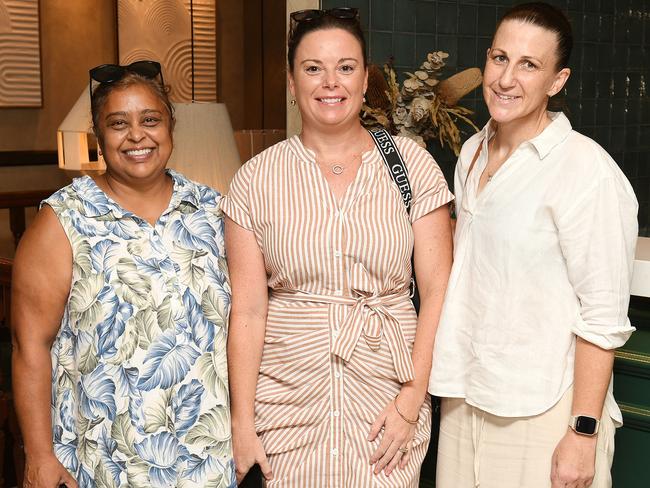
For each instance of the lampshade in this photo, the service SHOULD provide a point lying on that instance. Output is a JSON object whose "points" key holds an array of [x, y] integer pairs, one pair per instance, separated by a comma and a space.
{"points": [[72, 138], [204, 144]]}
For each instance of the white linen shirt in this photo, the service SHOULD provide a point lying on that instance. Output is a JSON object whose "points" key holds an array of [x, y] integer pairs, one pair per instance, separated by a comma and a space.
{"points": [[543, 254]]}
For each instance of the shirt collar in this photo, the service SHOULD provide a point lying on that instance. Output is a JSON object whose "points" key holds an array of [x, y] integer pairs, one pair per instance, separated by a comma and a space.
{"points": [[184, 191], [98, 204], [554, 133], [299, 150]]}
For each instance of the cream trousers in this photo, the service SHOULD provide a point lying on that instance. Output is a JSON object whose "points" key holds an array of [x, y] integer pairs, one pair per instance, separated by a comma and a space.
{"points": [[480, 450]]}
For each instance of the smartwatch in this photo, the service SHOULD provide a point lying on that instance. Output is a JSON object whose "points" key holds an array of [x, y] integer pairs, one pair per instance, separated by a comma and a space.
{"points": [[584, 425]]}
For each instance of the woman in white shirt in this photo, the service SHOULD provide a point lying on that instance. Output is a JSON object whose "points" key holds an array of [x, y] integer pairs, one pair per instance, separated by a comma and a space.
{"points": [[538, 295]]}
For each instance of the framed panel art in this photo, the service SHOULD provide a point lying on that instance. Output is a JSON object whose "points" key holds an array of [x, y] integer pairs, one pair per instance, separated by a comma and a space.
{"points": [[20, 54], [181, 35]]}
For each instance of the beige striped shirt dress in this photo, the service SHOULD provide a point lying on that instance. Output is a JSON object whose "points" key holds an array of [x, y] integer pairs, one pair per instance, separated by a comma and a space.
{"points": [[340, 325]]}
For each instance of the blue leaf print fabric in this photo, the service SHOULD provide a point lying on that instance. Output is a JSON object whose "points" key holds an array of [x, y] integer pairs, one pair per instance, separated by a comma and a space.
{"points": [[139, 377]]}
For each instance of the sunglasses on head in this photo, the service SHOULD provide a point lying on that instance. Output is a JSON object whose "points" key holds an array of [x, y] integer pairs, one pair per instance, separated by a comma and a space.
{"points": [[308, 15], [110, 73]]}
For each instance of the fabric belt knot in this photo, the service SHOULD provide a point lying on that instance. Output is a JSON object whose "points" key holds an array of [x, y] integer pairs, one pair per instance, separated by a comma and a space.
{"points": [[369, 318]]}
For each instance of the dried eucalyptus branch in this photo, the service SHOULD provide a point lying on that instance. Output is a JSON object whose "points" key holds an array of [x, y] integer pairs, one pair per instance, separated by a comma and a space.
{"points": [[415, 109]]}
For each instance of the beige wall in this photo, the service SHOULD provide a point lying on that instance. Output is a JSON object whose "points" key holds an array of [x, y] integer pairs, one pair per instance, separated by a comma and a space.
{"points": [[75, 36], [294, 124]]}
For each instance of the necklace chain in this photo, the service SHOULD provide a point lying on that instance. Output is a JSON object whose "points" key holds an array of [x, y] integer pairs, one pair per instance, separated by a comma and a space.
{"points": [[337, 167]]}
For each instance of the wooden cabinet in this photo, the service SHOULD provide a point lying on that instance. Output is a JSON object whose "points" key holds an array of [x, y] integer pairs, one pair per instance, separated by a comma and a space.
{"points": [[632, 383], [632, 391]]}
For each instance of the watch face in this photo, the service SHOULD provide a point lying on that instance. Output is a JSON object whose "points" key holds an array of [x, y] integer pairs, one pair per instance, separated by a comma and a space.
{"points": [[586, 425]]}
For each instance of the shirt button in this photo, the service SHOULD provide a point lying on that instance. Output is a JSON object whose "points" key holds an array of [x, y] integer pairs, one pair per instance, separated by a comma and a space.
{"points": [[335, 333], [337, 375], [335, 413], [338, 292], [337, 254], [335, 452]]}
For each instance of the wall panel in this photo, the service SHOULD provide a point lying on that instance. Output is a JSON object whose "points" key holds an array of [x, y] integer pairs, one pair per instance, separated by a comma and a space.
{"points": [[20, 57], [75, 36], [181, 35]]}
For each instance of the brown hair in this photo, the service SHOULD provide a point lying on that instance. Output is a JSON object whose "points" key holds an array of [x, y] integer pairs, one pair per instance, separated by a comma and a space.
{"points": [[547, 17], [103, 90], [325, 21]]}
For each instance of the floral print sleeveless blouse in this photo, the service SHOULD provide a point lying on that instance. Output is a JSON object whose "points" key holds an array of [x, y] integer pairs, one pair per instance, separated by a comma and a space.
{"points": [[139, 377]]}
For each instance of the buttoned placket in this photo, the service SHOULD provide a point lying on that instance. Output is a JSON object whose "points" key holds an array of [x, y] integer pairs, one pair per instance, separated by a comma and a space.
{"points": [[167, 267], [337, 390], [472, 200], [340, 262]]}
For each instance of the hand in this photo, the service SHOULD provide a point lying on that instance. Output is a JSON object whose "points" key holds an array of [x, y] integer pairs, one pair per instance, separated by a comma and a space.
{"points": [[247, 451], [397, 434], [46, 472], [573, 462]]}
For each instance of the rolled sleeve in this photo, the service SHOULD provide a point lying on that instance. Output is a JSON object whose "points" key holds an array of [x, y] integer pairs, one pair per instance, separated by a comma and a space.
{"points": [[598, 238], [236, 203], [433, 197]]}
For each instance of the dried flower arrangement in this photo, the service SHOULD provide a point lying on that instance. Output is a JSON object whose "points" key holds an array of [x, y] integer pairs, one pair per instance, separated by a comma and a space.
{"points": [[424, 107]]}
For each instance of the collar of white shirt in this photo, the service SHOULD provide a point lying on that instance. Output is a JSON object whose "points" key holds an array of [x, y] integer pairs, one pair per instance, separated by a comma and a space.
{"points": [[556, 132]]}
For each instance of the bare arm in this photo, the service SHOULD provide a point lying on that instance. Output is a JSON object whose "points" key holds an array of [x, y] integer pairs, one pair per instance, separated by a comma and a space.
{"points": [[245, 342], [40, 287], [433, 259], [593, 371], [598, 238], [575, 456]]}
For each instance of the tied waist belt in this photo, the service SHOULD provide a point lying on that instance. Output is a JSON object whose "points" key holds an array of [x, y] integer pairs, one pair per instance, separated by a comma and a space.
{"points": [[369, 317]]}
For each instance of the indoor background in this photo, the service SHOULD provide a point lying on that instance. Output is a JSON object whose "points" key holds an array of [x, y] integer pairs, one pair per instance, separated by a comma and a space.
{"points": [[606, 97]]}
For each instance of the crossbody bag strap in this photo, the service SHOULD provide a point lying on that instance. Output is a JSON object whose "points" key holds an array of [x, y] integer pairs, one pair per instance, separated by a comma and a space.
{"points": [[396, 167]]}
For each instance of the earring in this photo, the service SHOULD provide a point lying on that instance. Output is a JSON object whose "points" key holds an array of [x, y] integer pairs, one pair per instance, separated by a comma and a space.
{"points": [[364, 98], [292, 103]]}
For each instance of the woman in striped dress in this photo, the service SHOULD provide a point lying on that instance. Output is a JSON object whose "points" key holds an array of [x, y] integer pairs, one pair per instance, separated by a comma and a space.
{"points": [[328, 362]]}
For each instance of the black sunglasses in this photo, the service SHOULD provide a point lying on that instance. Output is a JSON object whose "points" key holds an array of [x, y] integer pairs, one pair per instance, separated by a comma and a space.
{"points": [[110, 73], [308, 15]]}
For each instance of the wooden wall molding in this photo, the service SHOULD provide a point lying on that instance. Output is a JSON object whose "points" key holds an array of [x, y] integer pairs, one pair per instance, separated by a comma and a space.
{"points": [[632, 363], [635, 417], [27, 158]]}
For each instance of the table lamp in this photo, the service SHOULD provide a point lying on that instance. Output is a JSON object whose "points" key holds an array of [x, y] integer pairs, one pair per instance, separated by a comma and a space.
{"points": [[72, 138], [204, 144]]}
